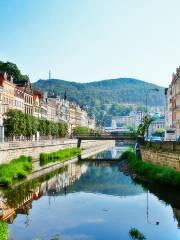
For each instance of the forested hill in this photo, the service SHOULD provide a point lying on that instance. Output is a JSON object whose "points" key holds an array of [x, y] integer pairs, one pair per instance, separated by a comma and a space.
{"points": [[99, 96]]}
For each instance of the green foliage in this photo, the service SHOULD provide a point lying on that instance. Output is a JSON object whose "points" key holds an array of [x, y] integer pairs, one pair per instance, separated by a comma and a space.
{"points": [[82, 130], [134, 233], [61, 155], [105, 98], [4, 231], [16, 170], [18, 124], [142, 128], [163, 175], [12, 70]]}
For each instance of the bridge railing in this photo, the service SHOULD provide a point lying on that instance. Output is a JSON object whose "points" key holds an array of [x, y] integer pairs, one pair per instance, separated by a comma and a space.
{"points": [[125, 135]]}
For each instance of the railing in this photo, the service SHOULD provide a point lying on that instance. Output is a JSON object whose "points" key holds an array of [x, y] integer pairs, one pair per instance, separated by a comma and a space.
{"points": [[106, 135]]}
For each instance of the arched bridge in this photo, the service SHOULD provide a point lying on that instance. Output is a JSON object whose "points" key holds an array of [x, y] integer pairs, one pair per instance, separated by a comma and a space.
{"points": [[106, 136]]}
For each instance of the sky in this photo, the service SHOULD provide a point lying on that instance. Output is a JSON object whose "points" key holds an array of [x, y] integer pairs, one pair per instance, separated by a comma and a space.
{"points": [[88, 40]]}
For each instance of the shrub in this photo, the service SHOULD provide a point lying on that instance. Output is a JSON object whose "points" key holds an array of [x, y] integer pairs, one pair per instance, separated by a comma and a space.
{"points": [[15, 170], [82, 130], [4, 231], [161, 174], [60, 155]]}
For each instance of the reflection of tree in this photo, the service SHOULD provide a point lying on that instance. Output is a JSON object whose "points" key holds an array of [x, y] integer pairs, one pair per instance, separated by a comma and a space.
{"points": [[106, 180], [15, 196]]}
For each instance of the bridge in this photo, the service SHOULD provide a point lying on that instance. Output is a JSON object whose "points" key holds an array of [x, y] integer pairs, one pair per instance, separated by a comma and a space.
{"points": [[106, 136]]}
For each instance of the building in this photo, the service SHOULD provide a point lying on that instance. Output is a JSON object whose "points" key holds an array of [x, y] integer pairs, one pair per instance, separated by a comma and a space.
{"points": [[78, 116], [37, 104], [8, 94], [26, 87], [172, 116], [1, 116], [156, 124], [63, 110], [52, 111], [92, 123], [72, 116], [19, 99], [84, 118], [1, 97]]}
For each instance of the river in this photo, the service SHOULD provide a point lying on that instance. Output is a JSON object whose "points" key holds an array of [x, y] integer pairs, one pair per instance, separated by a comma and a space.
{"points": [[91, 200]]}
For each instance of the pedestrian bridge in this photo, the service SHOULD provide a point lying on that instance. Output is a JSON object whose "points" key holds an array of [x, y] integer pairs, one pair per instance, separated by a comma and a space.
{"points": [[129, 137]]}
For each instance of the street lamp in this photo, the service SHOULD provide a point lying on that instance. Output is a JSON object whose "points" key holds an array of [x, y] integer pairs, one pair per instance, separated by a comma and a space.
{"points": [[147, 92]]}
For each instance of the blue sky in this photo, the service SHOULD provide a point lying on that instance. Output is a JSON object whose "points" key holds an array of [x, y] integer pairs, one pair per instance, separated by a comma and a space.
{"points": [[86, 40]]}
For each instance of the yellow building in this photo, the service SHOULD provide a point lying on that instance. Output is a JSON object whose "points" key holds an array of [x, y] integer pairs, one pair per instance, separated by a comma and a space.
{"points": [[8, 93]]}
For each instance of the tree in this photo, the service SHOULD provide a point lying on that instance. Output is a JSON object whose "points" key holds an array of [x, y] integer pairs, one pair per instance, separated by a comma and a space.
{"points": [[12, 70], [143, 127]]}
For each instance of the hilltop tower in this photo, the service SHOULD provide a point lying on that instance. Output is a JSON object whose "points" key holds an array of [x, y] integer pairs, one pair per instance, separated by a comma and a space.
{"points": [[49, 74]]}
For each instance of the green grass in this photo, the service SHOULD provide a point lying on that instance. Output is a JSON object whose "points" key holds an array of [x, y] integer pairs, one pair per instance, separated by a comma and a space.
{"points": [[16, 170], [4, 231], [160, 174], [61, 155]]}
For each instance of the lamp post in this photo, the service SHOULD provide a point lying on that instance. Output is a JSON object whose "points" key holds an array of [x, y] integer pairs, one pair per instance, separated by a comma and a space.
{"points": [[147, 93]]}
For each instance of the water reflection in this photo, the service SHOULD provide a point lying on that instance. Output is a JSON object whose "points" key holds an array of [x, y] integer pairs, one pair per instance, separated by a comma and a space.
{"points": [[114, 152], [90, 200]]}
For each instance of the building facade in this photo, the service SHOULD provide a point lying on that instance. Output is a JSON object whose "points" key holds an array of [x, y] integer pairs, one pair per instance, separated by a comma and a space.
{"points": [[172, 117]]}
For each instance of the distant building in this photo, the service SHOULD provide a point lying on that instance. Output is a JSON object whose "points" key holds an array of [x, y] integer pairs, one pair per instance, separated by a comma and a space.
{"points": [[157, 124]]}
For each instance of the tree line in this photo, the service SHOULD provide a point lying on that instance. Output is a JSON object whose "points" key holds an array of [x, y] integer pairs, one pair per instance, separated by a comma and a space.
{"points": [[17, 123]]}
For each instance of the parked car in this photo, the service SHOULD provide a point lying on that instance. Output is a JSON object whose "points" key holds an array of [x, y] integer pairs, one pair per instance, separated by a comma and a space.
{"points": [[148, 139], [156, 139]]}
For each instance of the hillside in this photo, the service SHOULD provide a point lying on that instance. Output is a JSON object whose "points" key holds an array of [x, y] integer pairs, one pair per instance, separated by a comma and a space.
{"points": [[106, 97]]}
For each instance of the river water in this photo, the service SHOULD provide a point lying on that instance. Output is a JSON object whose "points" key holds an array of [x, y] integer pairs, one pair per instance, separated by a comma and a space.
{"points": [[91, 200]]}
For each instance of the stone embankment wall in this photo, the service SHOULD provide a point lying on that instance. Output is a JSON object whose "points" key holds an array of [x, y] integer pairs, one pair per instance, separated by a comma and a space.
{"points": [[12, 150], [90, 148], [166, 154]]}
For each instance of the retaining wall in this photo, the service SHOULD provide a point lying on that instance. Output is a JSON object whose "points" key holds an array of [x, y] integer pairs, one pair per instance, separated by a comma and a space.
{"points": [[12, 150], [161, 157]]}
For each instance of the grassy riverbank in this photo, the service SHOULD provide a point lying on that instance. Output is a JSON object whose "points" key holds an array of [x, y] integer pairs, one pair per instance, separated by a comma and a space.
{"points": [[16, 170], [4, 231], [60, 155], [163, 175]]}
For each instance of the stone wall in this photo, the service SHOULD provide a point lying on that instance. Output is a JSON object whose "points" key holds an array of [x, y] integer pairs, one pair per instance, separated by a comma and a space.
{"points": [[160, 157], [12, 150]]}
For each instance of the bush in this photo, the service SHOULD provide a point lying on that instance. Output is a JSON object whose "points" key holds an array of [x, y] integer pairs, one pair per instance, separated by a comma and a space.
{"points": [[82, 130], [15, 170], [4, 231], [163, 175], [61, 155]]}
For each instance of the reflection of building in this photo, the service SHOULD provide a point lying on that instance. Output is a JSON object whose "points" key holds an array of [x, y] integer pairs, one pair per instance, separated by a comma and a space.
{"points": [[60, 181]]}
